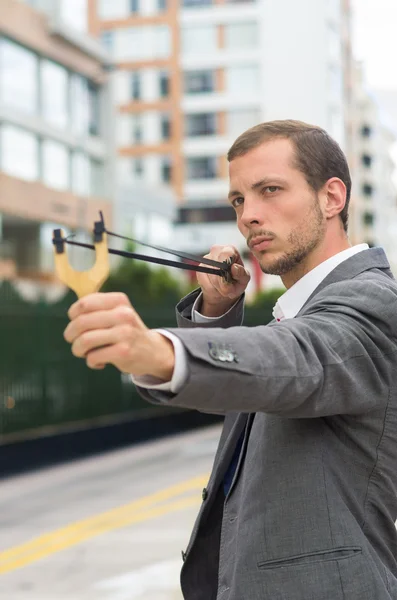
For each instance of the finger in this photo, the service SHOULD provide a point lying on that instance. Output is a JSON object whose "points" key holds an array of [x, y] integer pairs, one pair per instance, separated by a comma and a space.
{"points": [[101, 319], [240, 273], [110, 355], [98, 338], [98, 301]]}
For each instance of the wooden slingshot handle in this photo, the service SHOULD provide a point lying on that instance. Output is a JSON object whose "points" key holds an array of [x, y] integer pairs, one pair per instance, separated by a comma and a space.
{"points": [[82, 282]]}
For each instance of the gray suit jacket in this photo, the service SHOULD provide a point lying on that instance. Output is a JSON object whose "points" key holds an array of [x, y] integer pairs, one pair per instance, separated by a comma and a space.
{"points": [[311, 510]]}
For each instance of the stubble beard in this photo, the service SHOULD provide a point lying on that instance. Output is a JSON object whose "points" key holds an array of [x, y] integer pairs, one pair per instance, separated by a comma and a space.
{"points": [[302, 240]]}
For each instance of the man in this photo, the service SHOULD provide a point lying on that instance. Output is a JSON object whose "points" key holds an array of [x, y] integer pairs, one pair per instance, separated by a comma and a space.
{"points": [[302, 499]]}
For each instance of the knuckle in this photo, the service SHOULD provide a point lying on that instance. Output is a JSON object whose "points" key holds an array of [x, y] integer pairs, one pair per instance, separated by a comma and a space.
{"points": [[125, 331], [125, 313], [122, 298], [123, 349]]}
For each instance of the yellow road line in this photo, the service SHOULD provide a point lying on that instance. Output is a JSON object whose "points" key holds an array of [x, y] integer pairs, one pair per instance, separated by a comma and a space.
{"points": [[56, 546], [135, 512]]}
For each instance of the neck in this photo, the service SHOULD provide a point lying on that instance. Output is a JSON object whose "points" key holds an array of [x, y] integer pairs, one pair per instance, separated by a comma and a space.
{"points": [[315, 258]]}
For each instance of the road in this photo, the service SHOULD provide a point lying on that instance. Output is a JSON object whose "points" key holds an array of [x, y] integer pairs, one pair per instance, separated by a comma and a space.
{"points": [[110, 527]]}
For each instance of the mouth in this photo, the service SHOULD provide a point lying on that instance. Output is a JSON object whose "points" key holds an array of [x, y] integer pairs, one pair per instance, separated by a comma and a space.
{"points": [[260, 243]]}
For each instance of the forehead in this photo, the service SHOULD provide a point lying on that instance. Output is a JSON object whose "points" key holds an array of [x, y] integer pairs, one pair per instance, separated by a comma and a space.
{"points": [[274, 157]]}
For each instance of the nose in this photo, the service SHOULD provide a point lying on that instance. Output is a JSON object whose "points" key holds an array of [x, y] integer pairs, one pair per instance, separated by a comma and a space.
{"points": [[251, 213]]}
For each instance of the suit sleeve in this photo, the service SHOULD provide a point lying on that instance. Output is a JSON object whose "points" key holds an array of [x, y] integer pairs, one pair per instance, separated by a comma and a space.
{"points": [[336, 357]]}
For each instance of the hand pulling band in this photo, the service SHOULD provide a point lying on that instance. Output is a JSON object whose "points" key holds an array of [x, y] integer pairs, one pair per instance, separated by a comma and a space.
{"points": [[68, 275]]}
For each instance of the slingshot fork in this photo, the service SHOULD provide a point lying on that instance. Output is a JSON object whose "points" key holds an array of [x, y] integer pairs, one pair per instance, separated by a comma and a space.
{"points": [[91, 280]]}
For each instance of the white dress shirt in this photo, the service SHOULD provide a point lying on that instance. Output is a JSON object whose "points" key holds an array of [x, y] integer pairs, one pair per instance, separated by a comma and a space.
{"points": [[286, 307]]}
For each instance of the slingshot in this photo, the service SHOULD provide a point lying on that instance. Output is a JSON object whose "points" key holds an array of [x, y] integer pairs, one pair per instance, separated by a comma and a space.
{"points": [[90, 281]]}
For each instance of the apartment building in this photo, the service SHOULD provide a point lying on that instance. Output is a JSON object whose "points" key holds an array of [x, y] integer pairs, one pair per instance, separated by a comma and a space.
{"points": [[56, 155], [191, 75], [374, 219]]}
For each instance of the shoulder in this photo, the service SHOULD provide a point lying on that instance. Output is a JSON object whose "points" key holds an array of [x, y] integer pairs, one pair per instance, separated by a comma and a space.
{"points": [[369, 300]]}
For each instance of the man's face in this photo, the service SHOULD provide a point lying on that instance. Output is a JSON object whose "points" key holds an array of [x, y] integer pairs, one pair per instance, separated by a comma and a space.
{"points": [[272, 199]]}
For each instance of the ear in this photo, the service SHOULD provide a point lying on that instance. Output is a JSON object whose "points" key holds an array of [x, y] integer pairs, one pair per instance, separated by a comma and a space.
{"points": [[335, 197]]}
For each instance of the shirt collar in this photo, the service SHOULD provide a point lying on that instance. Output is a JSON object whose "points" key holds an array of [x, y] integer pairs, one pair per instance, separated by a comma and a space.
{"points": [[290, 303]]}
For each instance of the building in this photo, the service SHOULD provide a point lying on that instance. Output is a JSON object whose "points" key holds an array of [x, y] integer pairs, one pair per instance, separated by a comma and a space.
{"points": [[374, 218], [56, 152], [194, 74]]}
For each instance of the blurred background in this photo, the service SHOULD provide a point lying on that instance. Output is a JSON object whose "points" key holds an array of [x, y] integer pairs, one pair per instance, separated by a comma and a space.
{"points": [[129, 107]]}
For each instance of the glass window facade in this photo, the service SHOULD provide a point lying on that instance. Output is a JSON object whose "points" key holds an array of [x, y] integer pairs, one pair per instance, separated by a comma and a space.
{"points": [[19, 153], [67, 101], [54, 94], [55, 165], [97, 178], [18, 77], [81, 184], [79, 104]]}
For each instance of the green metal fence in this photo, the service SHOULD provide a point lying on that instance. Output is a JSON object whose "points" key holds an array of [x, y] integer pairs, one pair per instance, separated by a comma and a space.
{"points": [[43, 387]]}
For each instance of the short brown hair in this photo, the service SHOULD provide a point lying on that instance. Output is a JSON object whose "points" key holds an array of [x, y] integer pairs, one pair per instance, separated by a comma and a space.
{"points": [[317, 155]]}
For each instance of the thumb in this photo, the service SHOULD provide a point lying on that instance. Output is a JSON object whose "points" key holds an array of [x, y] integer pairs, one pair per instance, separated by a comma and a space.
{"points": [[238, 272]]}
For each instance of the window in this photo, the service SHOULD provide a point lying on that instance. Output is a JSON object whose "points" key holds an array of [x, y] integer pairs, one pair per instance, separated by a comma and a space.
{"points": [[366, 160], [107, 41], [241, 36], [164, 84], [137, 167], [203, 167], [54, 95], [189, 3], [80, 174], [19, 153], [135, 85], [239, 121], [366, 131], [200, 39], [97, 179], [166, 169], [55, 161], [198, 82], [146, 42], [165, 126], [80, 105], [367, 189], [136, 129], [243, 81], [206, 214], [200, 124], [18, 77], [94, 109], [368, 218]]}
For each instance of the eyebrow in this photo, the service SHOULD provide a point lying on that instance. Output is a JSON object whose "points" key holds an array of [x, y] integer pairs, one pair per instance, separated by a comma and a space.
{"points": [[259, 184]]}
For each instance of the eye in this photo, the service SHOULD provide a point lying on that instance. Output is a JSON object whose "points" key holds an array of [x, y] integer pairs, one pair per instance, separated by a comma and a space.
{"points": [[272, 188], [236, 200]]}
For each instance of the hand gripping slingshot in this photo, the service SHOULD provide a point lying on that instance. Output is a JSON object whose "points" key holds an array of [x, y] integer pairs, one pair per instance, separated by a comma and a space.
{"points": [[90, 281]]}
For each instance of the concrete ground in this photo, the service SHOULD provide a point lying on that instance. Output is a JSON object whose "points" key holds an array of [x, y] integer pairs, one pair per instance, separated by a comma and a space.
{"points": [[110, 527]]}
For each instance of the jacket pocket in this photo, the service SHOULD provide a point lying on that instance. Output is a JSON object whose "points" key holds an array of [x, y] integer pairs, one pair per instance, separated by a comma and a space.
{"points": [[311, 557]]}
